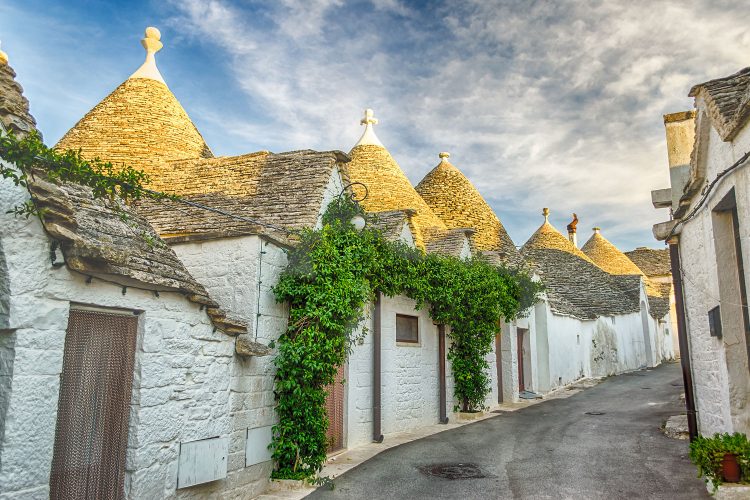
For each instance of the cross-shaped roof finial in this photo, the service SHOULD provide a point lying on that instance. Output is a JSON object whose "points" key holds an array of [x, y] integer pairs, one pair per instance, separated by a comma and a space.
{"points": [[368, 137], [369, 118]]}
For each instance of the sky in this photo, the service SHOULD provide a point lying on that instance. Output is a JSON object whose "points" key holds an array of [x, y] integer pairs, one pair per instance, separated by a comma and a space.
{"points": [[553, 104]]}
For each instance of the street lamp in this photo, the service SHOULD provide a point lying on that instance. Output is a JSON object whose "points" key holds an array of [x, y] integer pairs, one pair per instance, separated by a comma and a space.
{"points": [[358, 220]]}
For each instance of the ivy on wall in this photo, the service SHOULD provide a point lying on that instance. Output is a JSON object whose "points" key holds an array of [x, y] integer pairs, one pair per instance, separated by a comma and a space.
{"points": [[332, 274]]}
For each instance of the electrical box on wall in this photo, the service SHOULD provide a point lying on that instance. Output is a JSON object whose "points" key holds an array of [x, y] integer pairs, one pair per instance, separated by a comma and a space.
{"points": [[202, 461], [714, 322], [256, 445]]}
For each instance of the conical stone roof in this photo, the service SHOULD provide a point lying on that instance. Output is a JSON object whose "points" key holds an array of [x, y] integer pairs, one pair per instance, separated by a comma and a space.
{"points": [[609, 257], [387, 185], [454, 199], [141, 123], [549, 238], [574, 284]]}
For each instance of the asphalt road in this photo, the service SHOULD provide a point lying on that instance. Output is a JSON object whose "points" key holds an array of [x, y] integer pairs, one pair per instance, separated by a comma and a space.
{"points": [[550, 450]]}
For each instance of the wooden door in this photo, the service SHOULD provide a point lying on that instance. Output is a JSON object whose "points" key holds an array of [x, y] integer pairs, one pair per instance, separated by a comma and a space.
{"points": [[93, 410], [335, 412], [521, 386]]}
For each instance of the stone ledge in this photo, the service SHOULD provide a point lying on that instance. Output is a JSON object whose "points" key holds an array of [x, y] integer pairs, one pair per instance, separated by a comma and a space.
{"points": [[461, 416], [729, 491], [279, 485], [244, 346]]}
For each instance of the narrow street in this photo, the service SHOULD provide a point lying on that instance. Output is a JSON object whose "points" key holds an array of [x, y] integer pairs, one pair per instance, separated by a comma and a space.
{"points": [[555, 449]]}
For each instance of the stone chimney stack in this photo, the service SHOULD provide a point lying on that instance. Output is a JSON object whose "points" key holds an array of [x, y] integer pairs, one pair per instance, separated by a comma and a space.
{"points": [[572, 235], [680, 129]]}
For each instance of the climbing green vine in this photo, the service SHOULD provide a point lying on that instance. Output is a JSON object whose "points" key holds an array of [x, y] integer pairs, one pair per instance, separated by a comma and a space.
{"points": [[332, 275], [28, 156]]}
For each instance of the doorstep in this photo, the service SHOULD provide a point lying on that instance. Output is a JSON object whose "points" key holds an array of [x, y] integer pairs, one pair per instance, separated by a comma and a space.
{"points": [[730, 491]]}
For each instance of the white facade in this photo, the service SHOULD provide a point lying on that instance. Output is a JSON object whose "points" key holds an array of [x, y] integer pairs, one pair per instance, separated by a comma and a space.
{"points": [[188, 383], [409, 377], [559, 350], [719, 365], [181, 389]]}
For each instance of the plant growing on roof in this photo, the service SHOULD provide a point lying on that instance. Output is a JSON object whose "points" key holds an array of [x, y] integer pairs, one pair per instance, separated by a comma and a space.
{"points": [[331, 276], [29, 156]]}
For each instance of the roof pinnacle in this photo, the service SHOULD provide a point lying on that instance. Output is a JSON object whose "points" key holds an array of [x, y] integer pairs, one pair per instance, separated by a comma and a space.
{"points": [[152, 43], [3, 58], [596, 229], [369, 137], [444, 155], [545, 213], [369, 118]]}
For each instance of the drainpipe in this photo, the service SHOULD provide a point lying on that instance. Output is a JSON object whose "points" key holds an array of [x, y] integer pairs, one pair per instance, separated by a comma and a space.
{"points": [[377, 435], [442, 416], [499, 362], [682, 336]]}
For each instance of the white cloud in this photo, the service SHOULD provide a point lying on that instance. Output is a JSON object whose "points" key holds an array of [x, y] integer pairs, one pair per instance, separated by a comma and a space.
{"points": [[542, 103]]}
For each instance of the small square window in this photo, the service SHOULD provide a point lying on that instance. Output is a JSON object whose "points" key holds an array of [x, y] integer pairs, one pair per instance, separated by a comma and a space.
{"points": [[407, 328]]}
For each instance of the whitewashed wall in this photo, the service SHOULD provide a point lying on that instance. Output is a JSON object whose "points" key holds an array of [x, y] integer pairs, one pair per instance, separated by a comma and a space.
{"points": [[183, 371], [719, 385], [240, 273], [409, 377], [179, 357]]}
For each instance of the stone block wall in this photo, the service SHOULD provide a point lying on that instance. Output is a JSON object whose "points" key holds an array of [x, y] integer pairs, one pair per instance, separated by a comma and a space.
{"points": [[186, 375], [720, 381], [240, 274]]}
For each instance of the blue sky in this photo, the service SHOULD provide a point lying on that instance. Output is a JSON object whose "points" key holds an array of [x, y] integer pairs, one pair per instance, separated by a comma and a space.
{"points": [[554, 104]]}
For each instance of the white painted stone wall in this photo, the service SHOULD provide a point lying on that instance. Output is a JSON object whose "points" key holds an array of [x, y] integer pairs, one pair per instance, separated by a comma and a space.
{"points": [[240, 274], [183, 381], [333, 189], [720, 385], [409, 377], [566, 349]]}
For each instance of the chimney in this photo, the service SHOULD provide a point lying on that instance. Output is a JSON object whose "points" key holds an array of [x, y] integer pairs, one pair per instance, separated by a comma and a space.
{"points": [[572, 231], [680, 129]]}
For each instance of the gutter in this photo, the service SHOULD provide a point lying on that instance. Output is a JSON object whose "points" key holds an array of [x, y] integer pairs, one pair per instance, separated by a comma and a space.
{"points": [[377, 434], [687, 373], [442, 412]]}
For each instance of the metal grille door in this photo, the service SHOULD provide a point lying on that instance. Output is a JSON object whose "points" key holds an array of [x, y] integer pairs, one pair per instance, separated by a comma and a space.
{"points": [[92, 415], [335, 412]]}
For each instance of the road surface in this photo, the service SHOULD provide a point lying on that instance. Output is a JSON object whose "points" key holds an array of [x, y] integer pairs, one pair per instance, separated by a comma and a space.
{"points": [[554, 450]]}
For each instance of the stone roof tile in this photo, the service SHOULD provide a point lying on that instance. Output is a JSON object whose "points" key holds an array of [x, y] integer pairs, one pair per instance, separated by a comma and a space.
{"points": [[140, 124], [454, 199], [574, 285], [653, 262], [284, 190], [727, 100], [449, 242], [14, 107], [609, 257]]}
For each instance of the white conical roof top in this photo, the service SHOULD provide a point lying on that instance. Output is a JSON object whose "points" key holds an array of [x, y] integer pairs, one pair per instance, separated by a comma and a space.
{"points": [[152, 43], [368, 137]]}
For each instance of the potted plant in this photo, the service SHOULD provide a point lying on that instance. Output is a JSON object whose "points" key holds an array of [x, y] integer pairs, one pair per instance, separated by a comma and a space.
{"points": [[722, 458]]}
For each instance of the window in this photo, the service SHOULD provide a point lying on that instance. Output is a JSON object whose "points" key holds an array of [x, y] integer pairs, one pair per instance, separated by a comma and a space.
{"points": [[407, 328]]}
